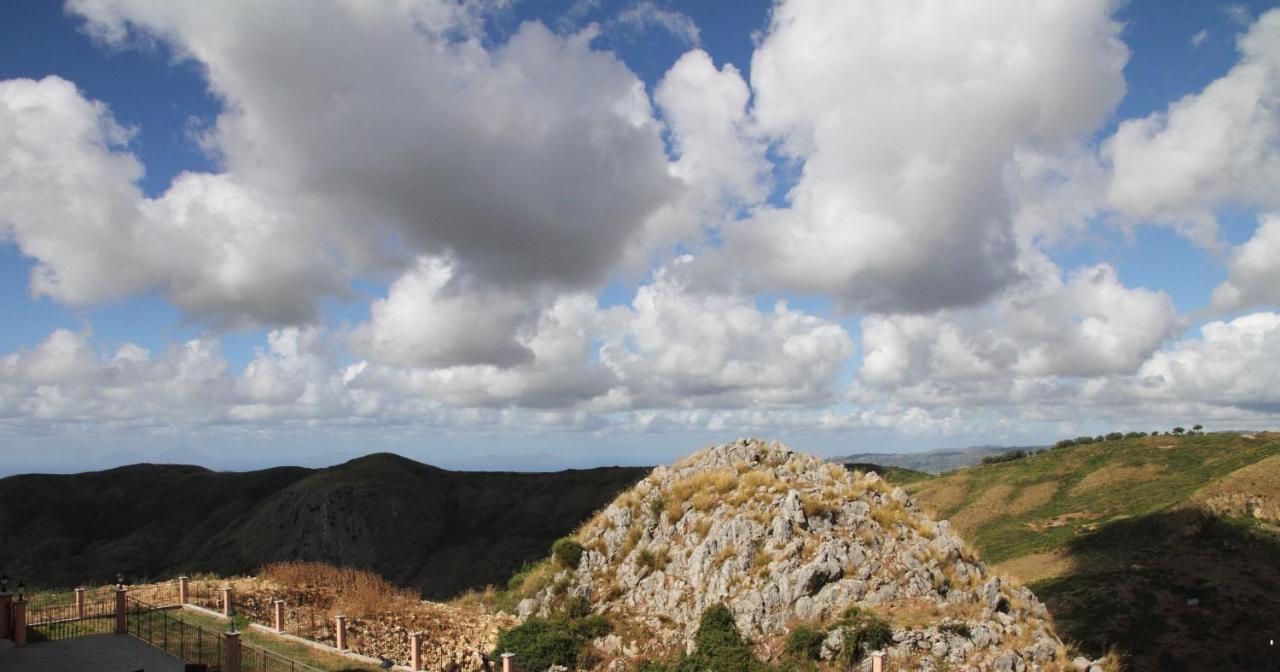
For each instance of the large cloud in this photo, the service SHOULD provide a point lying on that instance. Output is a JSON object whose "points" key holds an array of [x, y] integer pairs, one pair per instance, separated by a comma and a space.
{"points": [[1219, 146], [906, 116], [213, 246], [352, 141], [1254, 270], [1015, 350], [531, 162]]}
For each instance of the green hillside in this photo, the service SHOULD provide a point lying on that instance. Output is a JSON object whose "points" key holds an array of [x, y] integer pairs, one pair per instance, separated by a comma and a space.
{"points": [[1157, 546]]}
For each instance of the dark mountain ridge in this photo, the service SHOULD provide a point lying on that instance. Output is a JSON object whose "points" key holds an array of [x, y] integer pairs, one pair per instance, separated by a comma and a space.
{"points": [[437, 530]]}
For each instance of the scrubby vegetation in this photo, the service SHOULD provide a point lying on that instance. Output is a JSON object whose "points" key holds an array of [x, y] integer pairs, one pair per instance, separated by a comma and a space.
{"points": [[539, 643], [567, 552], [1005, 457], [863, 632], [718, 647]]}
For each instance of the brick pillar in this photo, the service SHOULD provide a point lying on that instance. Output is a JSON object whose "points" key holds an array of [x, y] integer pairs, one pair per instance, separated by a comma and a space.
{"points": [[122, 606], [415, 651], [233, 652], [19, 622], [506, 661], [184, 589], [79, 602], [277, 615], [877, 662], [226, 601], [5, 600], [340, 632]]}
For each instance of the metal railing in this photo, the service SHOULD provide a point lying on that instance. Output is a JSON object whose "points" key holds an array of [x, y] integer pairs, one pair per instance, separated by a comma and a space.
{"points": [[60, 617], [191, 643], [257, 659]]}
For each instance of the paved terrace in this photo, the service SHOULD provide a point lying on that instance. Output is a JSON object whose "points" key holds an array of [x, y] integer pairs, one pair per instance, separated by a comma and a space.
{"points": [[100, 653]]}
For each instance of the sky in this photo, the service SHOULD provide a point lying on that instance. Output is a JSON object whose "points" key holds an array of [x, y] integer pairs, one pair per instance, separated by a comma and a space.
{"points": [[522, 234]]}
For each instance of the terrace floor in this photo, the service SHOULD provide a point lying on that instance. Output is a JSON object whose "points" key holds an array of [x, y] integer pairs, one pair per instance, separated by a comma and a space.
{"points": [[101, 653]]}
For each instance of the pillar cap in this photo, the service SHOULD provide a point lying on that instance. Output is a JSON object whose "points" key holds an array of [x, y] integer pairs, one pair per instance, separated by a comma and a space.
{"points": [[508, 655]]}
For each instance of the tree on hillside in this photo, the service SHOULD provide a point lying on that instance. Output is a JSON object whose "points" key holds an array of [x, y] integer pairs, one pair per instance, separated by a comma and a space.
{"points": [[1178, 430], [1198, 427]]}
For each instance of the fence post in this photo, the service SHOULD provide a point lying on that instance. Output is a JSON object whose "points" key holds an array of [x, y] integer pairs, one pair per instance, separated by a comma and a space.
{"points": [[226, 601], [122, 618], [506, 661], [877, 662], [79, 602], [415, 651], [184, 589], [5, 600], [277, 614], [340, 632], [233, 652], [19, 622]]}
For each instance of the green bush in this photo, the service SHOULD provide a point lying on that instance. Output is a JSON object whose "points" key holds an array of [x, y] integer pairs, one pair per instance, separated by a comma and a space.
{"points": [[804, 643], [958, 629], [567, 551], [540, 643], [1005, 457], [863, 632], [718, 647], [1115, 436]]}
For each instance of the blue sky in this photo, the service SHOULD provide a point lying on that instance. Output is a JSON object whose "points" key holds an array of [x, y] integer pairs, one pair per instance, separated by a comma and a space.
{"points": [[391, 356]]}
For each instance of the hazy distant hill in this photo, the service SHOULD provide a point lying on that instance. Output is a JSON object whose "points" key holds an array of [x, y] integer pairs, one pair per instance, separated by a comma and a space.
{"points": [[1166, 547], [933, 461], [440, 531]]}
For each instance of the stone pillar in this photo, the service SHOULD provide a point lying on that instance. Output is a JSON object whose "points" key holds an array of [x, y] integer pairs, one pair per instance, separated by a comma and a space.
{"points": [[877, 662], [340, 632], [19, 622], [5, 600], [79, 602], [415, 651], [277, 615], [226, 601], [184, 589], [233, 652], [506, 661], [122, 607]]}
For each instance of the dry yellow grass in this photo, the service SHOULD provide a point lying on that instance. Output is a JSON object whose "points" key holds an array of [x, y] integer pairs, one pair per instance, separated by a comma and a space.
{"points": [[1033, 497], [1113, 475], [987, 507], [1037, 566], [941, 497], [359, 593]]}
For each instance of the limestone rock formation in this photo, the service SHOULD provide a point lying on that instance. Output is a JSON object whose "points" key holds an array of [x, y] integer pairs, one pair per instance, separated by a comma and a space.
{"points": [[783, 538]]}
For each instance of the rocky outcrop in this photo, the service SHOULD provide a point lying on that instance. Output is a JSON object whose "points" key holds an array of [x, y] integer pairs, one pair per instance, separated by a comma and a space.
{"points": [[783, 538]]}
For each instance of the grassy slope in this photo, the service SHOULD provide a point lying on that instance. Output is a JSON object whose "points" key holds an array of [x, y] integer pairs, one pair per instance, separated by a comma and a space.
{"points": [[1130, 477], [1133, 564]]}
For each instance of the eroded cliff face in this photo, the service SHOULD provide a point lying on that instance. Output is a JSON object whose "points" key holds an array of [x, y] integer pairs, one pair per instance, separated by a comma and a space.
{"points": [[783, 538]]}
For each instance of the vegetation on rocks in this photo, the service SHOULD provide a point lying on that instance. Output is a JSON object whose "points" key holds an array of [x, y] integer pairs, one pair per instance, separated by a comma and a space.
{"points": [[755, 536]]}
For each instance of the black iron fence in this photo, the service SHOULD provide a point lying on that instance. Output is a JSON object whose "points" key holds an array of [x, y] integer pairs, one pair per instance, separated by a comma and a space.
{"points": [[189, 642], [257, 659], [63, 616]]}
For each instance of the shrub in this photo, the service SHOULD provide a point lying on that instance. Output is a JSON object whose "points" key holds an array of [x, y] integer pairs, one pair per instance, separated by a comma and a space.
{"points": [[567, 551], [863, 632], [718, 647], [804, 643], [1135, 435], [1065, 443], [1198, 427], [958, 629], [540, 643], [1084, 440], [1115, 436], [1178, 430], [1005, 457]]}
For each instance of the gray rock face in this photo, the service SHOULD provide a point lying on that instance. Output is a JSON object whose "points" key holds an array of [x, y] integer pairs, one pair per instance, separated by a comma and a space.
{"points": [[782, 538]]}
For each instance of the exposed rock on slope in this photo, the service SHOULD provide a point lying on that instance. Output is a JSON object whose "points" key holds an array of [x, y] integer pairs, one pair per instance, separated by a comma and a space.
{"points": [[784, 538]]}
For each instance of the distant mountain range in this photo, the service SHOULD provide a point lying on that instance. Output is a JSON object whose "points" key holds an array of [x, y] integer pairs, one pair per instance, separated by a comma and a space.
{"points": [[437, 530], [933, 461]]}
